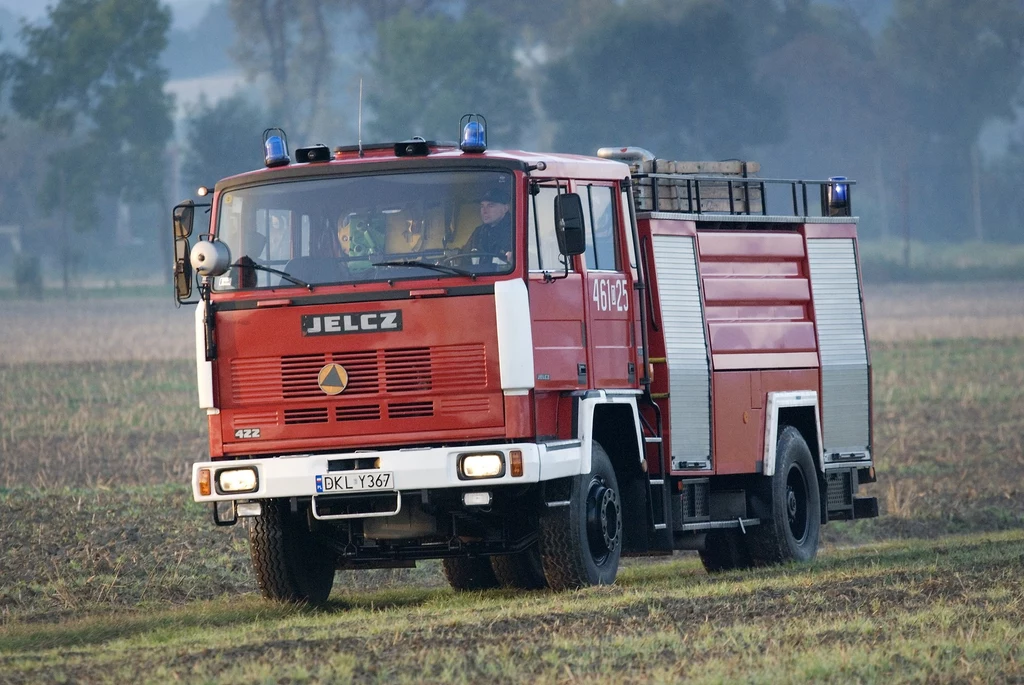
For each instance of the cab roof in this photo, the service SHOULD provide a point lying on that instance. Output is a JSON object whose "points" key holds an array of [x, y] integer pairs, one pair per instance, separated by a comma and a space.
{"points": [[382, 157]]}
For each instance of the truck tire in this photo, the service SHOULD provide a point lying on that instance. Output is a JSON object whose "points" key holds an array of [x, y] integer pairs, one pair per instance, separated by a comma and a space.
{"points": [[290, 565], [724, 550], [469, 573], [522, 571], [788, 504], [580, 544]]}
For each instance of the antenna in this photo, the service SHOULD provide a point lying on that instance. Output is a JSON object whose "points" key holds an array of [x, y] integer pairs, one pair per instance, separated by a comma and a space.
{"points": [[360, 120]]}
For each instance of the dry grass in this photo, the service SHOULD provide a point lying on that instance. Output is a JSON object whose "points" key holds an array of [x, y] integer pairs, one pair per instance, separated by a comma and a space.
{"points": [[945, 311], [97, 329], [104, 555], [949, 436], [947, 610], [99, 424]]}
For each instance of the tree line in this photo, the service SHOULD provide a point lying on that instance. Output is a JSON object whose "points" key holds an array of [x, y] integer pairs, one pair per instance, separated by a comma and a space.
{"points": [[807, 88]]}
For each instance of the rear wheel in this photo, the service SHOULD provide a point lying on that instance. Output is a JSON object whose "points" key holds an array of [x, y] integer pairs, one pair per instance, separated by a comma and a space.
{"points": [[788, 504], [580, 544], [290, 564], [469, 573], [523, 570]]}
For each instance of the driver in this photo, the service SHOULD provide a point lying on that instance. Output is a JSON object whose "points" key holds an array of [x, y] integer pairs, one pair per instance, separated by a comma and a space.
{"points": [[494, 235]]}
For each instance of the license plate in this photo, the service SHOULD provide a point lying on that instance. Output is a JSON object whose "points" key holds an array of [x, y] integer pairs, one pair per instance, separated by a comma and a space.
{"points": [[354, 482]]}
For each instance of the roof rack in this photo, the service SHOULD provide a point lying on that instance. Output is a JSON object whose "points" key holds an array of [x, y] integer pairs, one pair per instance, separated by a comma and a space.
{"points": [[719, 194], [726, 187]]}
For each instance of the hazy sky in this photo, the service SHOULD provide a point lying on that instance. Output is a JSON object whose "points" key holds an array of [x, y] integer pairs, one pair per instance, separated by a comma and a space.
{"points": [[186, 12]]}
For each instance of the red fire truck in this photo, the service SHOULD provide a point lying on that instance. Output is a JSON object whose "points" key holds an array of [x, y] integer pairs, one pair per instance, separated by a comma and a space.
{"points": [[524, 364]]}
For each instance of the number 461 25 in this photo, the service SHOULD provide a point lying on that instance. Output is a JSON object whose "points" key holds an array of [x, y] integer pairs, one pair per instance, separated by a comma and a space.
{"points": [[611, 295]]}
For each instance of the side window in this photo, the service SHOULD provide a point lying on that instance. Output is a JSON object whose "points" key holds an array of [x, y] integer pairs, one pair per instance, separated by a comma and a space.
{"points": [[599, 218], [543, 244]]}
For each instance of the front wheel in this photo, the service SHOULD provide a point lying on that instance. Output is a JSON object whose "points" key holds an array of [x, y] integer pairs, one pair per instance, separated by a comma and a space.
{"points": [[290, 564], [788, 504], [580, 544]]}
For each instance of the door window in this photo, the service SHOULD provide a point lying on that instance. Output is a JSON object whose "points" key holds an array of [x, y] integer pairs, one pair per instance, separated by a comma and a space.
{"points": [[599, 218], [543, 243]]}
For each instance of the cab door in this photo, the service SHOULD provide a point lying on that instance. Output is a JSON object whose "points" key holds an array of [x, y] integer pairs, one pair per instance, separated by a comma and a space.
{"points": [[608, 298], [556, 298]]}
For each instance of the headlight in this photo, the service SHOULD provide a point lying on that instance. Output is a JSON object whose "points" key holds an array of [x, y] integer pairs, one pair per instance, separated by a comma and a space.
{"points": [[490, 465], [237, 480]]}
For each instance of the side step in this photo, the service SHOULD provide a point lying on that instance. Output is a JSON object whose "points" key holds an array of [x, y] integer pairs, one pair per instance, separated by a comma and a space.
{"points": [[659, 513], [741, 523]]}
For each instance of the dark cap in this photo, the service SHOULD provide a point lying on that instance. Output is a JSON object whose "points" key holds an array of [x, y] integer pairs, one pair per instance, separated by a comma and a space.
{"points": [[498, 195]]}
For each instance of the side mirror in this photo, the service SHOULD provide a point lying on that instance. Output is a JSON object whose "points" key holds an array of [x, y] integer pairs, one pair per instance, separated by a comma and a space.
{"points": [[182, 270], [182, 218], [569, 230]]}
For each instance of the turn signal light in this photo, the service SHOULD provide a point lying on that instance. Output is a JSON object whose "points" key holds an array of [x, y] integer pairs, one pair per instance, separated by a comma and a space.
{"points": [[204, 482], [515, 463]]}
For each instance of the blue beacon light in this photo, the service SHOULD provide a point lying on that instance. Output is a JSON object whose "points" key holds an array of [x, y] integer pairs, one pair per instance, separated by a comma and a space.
{"points": [[838, 196], [838, 189], [474, 133], [275, 148]]}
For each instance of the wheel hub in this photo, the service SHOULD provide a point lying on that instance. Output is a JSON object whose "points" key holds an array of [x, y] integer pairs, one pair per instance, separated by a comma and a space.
{"points": [[604, 520], [796, 503]]}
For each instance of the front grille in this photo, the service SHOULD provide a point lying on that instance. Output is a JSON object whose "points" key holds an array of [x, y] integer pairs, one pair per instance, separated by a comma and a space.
{"points": [[410, 410], [440, 369], [254, 418], [408, 370], [362, 412], [299, 416]]}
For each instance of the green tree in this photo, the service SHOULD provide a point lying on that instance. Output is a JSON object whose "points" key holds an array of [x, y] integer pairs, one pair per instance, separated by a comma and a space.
{"points": [[842, 105], [428, 72], [223, 139], [297, 50], [674, 77], [545, 24], [962, 61], [92, 74], [961, 65], [290, 43]]}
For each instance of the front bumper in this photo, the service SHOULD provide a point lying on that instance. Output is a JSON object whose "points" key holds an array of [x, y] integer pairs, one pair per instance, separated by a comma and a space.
{"points": [[412, 469]]}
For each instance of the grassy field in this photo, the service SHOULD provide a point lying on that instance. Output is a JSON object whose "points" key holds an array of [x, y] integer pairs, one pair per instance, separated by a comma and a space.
{"points": [[109, 573], [945, 610]]}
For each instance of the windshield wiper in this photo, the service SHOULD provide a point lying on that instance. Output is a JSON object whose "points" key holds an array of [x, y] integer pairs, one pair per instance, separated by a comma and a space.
{"points": [[443, 268], [283, 274]]}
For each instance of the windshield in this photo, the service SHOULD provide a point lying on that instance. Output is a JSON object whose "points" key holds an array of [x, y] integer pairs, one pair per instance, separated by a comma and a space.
{"points": [[367, 228]]}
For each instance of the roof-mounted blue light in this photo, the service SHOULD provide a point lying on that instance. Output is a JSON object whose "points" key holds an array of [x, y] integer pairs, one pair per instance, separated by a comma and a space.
{"points": [[473, 133], [838, 196], [275, 147]]}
